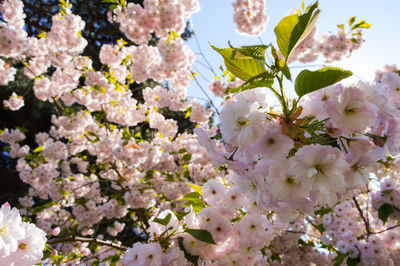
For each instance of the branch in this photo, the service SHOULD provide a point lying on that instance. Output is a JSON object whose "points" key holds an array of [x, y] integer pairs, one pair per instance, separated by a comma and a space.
{"points": [[205, 93], [387, 229], [202, 54], [302, 233], [362, 216], [85, 239]]}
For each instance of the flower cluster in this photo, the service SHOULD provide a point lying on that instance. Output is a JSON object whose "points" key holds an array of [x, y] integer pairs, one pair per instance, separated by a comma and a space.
{"points": [[22, 243], [250, 17], [332, 46], [121, 177], [158, 17]]}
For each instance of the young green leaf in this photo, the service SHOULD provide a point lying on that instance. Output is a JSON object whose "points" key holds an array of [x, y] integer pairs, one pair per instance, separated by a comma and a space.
{"points": [[285, 70], [353, 262], [351, 20], [180, 215], [361, 24], [196, 188], [308, 81], [250, 52], [188, 256], [194, 200], [164, 221], [293, 29], [202, 235], [38, 149], [241, 68], [384, 212], [265, 79], [337, 261], [191, 196]]}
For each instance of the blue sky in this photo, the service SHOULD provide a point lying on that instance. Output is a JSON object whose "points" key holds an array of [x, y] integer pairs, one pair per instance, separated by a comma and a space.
{"points": [[214, 24]]}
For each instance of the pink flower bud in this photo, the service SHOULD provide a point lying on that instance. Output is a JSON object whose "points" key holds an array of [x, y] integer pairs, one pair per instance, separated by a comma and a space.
{"points": [[54, 253], [56, 231]]}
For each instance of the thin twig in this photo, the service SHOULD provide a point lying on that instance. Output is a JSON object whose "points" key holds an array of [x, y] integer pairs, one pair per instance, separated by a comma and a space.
{"points": [[387, 229], [205, 93], [85, 239], [201, 75], [313, 225], [202, 64], [301, 232], [202, 54], [362, 216]]}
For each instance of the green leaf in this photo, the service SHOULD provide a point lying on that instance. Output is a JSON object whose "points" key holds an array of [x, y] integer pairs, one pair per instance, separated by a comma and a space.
{"points": [[197, 206], [361, 24], [188, 256], [183, 150], [308, 81], [244, 69], [196, 188], [321, 228], [387, 192], [164, 221], [351, 20], [250, 52], [275, 257], [193, 199], [112, 258], [188, 112], [321, 212], [285, 70], [191, 196], [337, 261], [42, 34], [265, 79], [187, 157], [180, 215], [293, 29], [353, 262], [112, 7], [384, 212], [202, 235], [38, 149], [96, 138]]}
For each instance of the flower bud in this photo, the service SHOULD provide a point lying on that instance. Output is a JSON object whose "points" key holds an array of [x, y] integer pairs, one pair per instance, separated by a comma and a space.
{"points": [[56, 231]]}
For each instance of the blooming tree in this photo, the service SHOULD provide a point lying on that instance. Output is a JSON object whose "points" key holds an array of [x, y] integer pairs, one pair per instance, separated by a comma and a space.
{"points": [[132, 172]]}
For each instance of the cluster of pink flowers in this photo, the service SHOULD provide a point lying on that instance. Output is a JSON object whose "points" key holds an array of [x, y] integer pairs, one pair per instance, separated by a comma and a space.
{"points": [[282, 167], [264, 189], [332, 46], [250, 17], [217, 87], [21, 243], [140, 171], [7, 73], [158, 17], [345, 229]]}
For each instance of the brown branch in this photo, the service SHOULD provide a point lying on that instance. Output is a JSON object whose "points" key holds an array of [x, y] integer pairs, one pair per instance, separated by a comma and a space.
{"points": [[387, 229], [302, 233], [313, 225], [85, 239], [366, 222]]}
